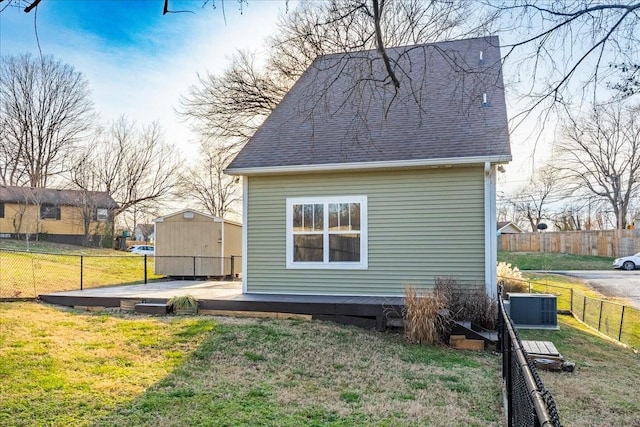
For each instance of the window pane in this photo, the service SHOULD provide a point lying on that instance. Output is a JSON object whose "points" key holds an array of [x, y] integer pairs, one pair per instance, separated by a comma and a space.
{"points": [[334, 218], [307, 248], [318, 217], [49, 212], [355, 216], [344, 216], [344, 247], [307, 224], [102, 214], [297, 217]]}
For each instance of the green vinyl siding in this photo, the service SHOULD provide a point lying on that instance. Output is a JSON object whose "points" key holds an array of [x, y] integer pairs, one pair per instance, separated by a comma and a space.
{"points": [[422, 224]]}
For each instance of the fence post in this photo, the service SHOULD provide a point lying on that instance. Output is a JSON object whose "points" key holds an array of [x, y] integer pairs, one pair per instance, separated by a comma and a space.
{"points": [[571, 301], [621, 320], [509, 384], [194, 267], [81, 270], [584, 306], [600, 315], [145, 269], [233, 270]]}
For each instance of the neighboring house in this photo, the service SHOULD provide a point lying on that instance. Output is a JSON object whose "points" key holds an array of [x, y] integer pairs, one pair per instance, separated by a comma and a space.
{"points": [[144, 233], [62, 216], [352, 188], [508, 227], [190, 243]]}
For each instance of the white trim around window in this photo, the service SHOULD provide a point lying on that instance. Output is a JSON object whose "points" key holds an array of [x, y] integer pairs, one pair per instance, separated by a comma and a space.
{"points": [[327, 221]]}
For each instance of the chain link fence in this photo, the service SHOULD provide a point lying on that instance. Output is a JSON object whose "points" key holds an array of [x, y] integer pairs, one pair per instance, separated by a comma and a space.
{"points": [[529, 403], [29, 274], [617, 321]]}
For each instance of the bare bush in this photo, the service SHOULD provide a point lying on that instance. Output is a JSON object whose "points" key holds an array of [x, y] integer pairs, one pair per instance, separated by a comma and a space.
{"points": [[467, 303], [512, 278]]}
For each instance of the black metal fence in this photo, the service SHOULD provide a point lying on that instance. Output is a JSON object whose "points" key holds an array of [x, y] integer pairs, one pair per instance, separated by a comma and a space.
{"points": [[617, 321], [528, 402], [29, 274]]}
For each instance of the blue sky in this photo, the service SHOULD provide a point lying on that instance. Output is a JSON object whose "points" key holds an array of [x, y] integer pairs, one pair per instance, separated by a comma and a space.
{"points": [[137, 61]]}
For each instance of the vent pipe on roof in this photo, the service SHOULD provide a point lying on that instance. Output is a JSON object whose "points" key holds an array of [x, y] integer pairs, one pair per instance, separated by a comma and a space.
{"points": [[481, 58]]}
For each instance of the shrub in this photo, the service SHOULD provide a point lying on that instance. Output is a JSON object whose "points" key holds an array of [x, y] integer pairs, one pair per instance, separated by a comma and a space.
{"points": [[468, 303], [512, 278], [423, 323], [428, 317], [183, 303]]}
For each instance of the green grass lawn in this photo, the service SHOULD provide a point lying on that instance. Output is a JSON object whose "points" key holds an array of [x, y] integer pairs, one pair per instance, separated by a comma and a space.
{"points": [[603, 390], [53, 267], [61, 367], [554, 261]]}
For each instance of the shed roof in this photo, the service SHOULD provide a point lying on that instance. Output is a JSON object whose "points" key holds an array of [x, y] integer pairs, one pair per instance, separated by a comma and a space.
{"points": [[342, 113], [505, 224], [206, 215], [52, 196]]}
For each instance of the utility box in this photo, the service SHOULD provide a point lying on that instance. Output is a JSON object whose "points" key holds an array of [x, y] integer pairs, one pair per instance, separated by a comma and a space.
{"points": [[533, 311]]}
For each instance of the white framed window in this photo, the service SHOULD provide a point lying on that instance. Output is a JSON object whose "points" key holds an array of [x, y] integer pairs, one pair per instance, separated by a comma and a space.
{"points": [[49, 211], [327, 232], [102, 214]]}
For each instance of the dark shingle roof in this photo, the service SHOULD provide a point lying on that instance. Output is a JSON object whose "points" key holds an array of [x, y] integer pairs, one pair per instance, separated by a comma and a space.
{"points": [[50, 196], [342, 111]]}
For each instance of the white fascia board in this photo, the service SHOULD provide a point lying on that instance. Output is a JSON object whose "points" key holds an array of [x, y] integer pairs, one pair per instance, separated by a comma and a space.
{"points": [[331, 167]]}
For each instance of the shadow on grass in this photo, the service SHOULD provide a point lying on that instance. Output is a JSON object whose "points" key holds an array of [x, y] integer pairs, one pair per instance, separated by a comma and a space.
{"points": [[285, 373]]}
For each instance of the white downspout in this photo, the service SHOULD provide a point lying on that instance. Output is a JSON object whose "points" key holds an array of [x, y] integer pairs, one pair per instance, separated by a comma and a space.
{"points": [[490, 233], [245, 230], [222, 246]]}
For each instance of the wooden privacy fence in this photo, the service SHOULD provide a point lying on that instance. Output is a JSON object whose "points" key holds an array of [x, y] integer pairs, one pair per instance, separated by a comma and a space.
{"points": [[607, 243]]}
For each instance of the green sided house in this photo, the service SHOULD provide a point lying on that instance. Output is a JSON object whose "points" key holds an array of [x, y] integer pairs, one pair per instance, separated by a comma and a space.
{"points": [[353, 187]]}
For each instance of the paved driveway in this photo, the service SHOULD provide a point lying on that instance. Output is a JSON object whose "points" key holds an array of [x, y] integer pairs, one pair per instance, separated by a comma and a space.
{"points": [[613, 283]]}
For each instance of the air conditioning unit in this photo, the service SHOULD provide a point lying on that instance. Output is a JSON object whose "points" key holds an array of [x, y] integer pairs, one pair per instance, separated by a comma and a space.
{"points": [[533, 311]]}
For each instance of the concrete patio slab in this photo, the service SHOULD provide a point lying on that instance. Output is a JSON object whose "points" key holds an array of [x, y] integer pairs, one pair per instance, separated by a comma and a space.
{"points": [[203, 290]]}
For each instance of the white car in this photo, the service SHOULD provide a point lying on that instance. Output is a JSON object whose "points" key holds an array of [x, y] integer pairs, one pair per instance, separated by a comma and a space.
{"points": [[142, 249], [630, 262]]}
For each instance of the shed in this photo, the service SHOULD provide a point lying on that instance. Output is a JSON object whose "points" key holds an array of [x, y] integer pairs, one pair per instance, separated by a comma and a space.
{"points": [[195, 244]]}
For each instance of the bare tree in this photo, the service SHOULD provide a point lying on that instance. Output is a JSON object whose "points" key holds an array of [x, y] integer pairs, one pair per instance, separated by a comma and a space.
{"points": [[531, 202], [571, 44], [234, 104], [134, 165], [45, 109], [566, 50], [569, 218], [600, 155], [213, 190], [629, 82]]}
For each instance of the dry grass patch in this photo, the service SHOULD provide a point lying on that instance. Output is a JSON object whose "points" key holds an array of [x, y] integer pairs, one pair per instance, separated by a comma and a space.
{"points": [[603, 390]]}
